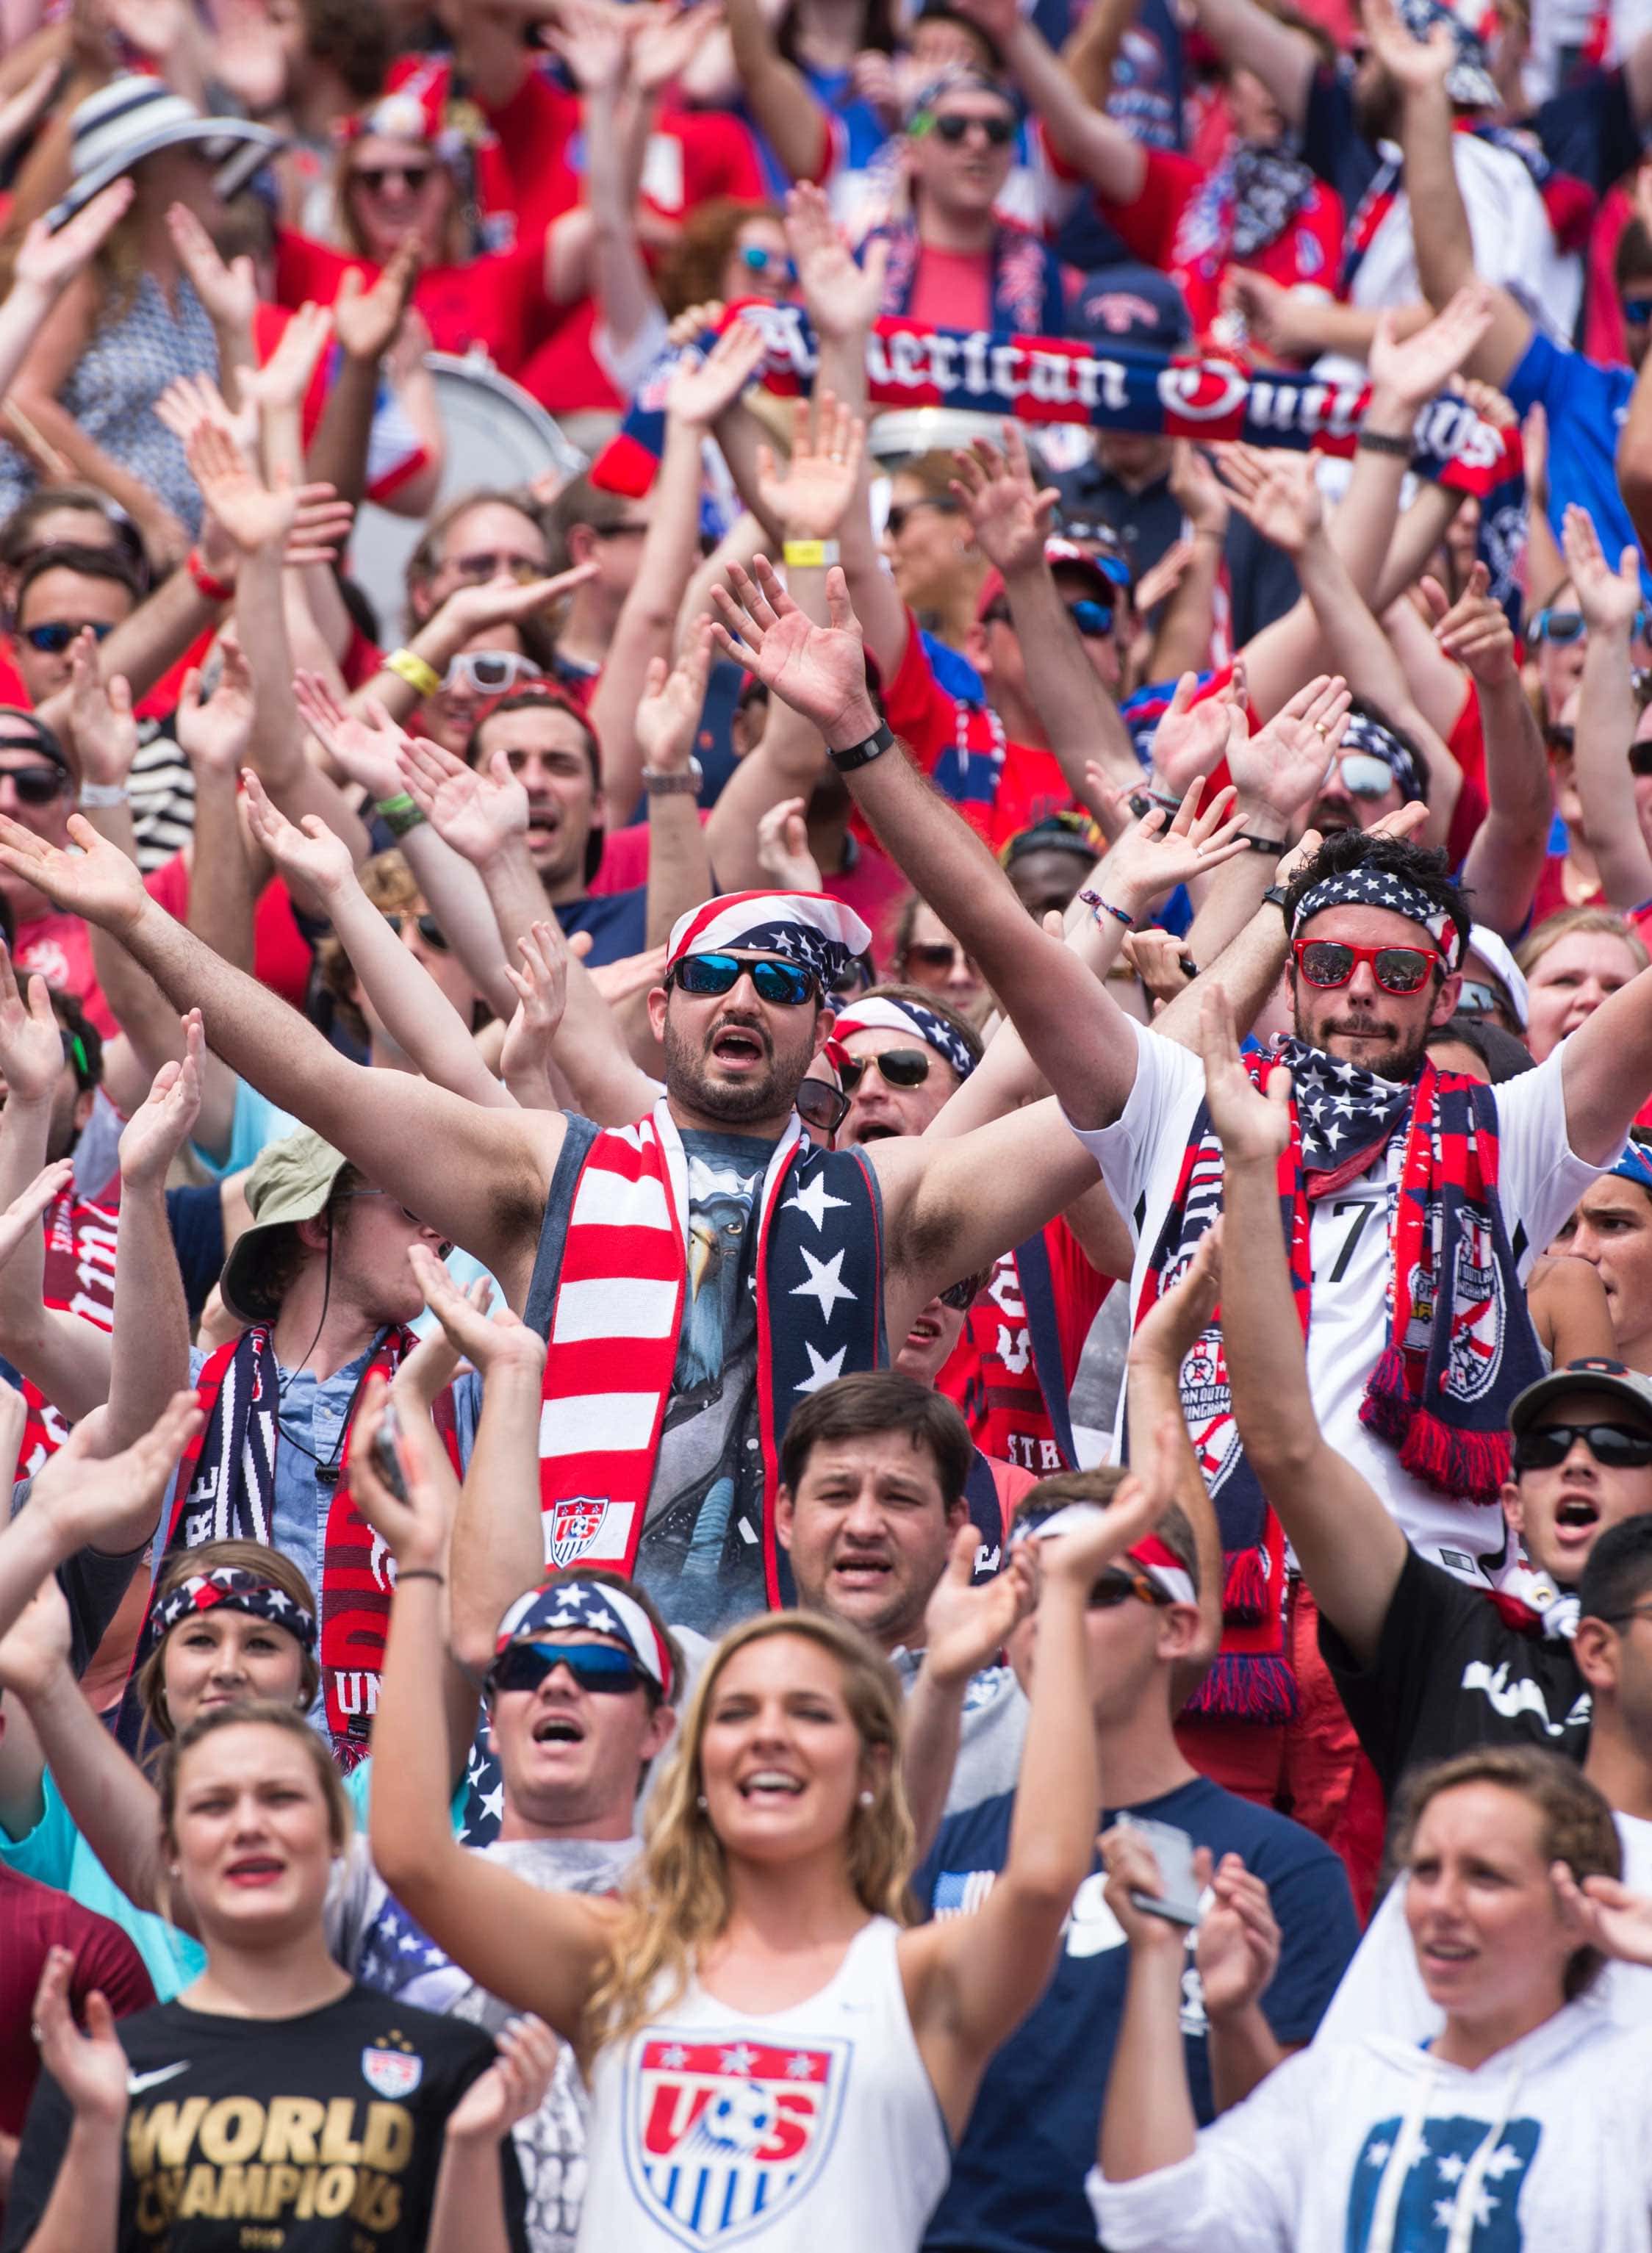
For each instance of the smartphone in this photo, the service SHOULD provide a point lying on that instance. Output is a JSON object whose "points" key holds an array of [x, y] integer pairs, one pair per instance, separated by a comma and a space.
{"points": [[1173, 1850], [386, 1453]]}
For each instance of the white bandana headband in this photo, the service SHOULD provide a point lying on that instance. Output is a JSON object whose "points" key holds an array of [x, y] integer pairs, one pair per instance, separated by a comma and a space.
{"points": [[1151, 1555], [881, 1013]]}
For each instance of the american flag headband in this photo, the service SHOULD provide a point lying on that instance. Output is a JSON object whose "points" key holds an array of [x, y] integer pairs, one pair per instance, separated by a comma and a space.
{"points": [[1371, 887], [234, 1588], [599, 1608], [1154, 1557]]}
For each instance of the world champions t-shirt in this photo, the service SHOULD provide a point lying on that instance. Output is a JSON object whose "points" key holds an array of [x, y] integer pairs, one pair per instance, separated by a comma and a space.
{"points": [[316, 2134]]}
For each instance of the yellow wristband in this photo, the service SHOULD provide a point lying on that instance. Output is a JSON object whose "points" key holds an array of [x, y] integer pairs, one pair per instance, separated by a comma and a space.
{"points": [[803, 554], [422, 679]]}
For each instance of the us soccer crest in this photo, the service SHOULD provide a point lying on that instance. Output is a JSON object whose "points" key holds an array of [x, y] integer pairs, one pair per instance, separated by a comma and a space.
{"points": [[392, 2073], [1475, 1351], [722, 2137], [573, 1525]]}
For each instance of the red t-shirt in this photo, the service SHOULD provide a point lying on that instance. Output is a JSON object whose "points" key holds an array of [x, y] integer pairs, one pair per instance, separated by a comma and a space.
{"points": [[990, 1372], [1550, 897], [492, 301], [281, 952], [998, 786], [34, 1918], [952, 289]]}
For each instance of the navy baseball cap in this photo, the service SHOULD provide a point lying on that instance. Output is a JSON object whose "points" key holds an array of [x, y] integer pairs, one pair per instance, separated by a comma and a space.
{"points": [[1131, 305]]}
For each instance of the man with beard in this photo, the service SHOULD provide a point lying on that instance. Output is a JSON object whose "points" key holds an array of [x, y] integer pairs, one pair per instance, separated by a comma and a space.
{"points": [[595, 1236]]}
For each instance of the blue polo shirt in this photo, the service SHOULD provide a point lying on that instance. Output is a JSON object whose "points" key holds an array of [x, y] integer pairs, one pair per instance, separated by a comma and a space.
{"points": [[1586, 401]]}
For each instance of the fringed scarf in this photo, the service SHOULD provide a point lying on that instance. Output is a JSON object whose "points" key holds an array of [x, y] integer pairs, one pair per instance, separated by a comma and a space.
{"points": [[225, 1491], [1027, 295], [1459, 1344]]}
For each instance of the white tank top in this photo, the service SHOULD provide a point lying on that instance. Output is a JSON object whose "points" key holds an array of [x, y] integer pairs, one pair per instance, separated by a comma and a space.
{"points": [[783, 2132]]}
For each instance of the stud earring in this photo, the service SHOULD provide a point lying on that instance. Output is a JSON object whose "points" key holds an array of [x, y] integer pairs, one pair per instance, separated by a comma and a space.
{"points": [[867, 1798], [701, 1803]]}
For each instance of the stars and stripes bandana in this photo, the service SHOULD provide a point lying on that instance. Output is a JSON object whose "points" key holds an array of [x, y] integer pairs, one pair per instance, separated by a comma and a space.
{"points": [[229, 1587], [1460, 1343], [881, 1013], [1369, 886], [1361, 733], [1155, 1557], [597, 1606], [810, 928]]}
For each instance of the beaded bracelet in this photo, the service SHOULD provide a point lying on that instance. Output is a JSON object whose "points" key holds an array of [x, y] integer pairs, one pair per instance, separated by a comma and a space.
{"points": [[1101, 907]]}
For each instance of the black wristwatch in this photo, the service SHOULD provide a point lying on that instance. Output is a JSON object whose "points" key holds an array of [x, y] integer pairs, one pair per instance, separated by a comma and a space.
{"points": [[1277, 894], [863, 754]]}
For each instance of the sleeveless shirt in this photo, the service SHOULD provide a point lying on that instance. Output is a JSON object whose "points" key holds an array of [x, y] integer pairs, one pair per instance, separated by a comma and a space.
{"points": [[782, 2132]]}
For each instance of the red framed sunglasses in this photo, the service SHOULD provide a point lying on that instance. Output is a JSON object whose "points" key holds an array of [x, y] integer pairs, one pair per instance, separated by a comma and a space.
{"points": [[1328, 962]]}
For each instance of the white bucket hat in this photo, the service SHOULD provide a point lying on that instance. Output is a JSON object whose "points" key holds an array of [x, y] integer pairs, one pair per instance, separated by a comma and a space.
{"points": [[131, 118]]}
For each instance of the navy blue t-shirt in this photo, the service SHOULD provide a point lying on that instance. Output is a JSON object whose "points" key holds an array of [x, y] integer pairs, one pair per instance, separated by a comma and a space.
{"points": [[617, 921], [1018, 2177]]}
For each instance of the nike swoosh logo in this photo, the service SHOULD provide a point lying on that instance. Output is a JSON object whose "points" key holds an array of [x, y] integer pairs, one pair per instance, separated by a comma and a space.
{"points": [[137, 2082]]}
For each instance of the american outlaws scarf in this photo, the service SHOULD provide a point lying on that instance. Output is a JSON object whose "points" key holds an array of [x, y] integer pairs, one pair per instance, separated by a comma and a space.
{"points": [[1056, 379], [226, 1490], [1026, 294], [79, 1280], [618, 1311], [1460, 1343]]}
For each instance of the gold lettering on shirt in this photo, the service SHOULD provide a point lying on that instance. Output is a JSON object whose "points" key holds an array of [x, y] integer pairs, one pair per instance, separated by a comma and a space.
{"points": [[294, 2159]]}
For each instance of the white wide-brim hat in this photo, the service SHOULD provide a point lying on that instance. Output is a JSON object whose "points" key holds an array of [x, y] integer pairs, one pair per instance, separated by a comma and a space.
{"points": [[133, 117]]}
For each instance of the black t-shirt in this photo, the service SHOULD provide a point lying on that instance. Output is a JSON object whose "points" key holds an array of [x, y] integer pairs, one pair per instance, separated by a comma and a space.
{"points": [[1451, 1673], [318, 2134]]}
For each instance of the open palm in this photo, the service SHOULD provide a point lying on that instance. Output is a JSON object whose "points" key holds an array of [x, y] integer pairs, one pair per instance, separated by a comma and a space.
{"points": [[818, 671]]}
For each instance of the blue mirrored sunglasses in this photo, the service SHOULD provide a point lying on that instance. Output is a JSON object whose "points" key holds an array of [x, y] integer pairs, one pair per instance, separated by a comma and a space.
{"points": [[785, 982]]}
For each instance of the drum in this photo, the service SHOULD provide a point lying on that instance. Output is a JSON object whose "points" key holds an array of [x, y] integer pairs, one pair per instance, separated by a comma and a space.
{"points": [[497, 436]]}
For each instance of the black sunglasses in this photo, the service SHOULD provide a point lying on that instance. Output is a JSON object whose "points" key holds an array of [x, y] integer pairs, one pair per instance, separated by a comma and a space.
{"points": [[429, 930], [34, 785], [374, 178], [1121, 1586], [1614, 1446], [898, 1067], [717, 974], [954, 128], [821, 1106], [593, 1666], [1640, 758], [901, 512]]}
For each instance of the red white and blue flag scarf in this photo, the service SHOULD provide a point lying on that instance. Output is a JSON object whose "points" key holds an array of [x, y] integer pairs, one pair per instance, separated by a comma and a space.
{"points": [[1460, 1343]]}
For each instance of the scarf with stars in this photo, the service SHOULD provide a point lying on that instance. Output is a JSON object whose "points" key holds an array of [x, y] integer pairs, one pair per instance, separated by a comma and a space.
{"points": [[225, 1490], [1459, 1342], [621, 1288]]}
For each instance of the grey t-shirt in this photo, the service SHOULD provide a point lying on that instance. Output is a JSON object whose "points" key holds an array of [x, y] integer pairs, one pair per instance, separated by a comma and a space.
{"points": [[990, 1735]]}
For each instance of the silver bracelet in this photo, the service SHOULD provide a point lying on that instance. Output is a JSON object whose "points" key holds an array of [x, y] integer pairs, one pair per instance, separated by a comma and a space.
{"points": [[102, 793], [663, 782]]}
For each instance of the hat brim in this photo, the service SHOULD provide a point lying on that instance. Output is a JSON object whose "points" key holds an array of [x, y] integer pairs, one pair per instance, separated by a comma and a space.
{"points": [[1561, 1384], [239, 1285], [241, 162]]}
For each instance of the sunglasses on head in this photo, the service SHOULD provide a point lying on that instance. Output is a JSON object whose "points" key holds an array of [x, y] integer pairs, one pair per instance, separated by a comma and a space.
{"points": [[1477, 1000], [1614, 1446], [901, 513], [955, 128], [489, 672], [785, 982], [1328, 962], [489, 565], [376, 177], [897, 1067], [821, 1106], [758, 261], [1119, 1584], [429, 930], [594, 1666], [34, 785], [56, 635]]}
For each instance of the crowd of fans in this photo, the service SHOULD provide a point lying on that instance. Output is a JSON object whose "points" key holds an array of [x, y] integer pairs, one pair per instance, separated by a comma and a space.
{"points": [[825, 1271]]}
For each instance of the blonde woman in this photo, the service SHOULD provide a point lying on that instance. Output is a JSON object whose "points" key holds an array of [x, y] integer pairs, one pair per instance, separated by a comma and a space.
{"points": [[1572, 962], [773, 2053]]}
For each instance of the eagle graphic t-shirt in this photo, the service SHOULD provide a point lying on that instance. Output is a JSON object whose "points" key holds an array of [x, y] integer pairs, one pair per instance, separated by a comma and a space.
{"points": [[701, 1555], [316, 2134]]}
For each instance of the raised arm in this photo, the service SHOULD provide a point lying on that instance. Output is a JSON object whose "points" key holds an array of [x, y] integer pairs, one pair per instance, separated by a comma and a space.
{"points": [[1351, 1551], [784, 103], [45, 266], [1608, 713], [1247, 36], [1161, 1344], [481, 1176], [1505, 859], [666, 720], [149, 1347]]}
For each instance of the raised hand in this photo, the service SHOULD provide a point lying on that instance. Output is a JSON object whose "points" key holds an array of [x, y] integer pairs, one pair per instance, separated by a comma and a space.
{"points": [[1275, 317], [505, 601], [843, 298], [1237, 1950], [701, 389], [100, 718], [783, 847], [1132, 1868], [415, 1531], [486, 1342], [965, 1625], [24, 1214], [367, 321], [1605, 1914], [111, 1501], [1276, 490], [1198, 489], [1281, 766], [1475, 629], [229, 292], [669, 708], [164, 1120], [1159, 959], [321, 527], [664, 43], [279, 385], [1162, 850], [31, 1037], [542, 990], [51, 261], [813, 498], [98, 882], [1250, 1124], [190, 403], [1415, 64], [364, 745], [508, 2091], [213, 733], [592, 41], [819, 671], [1011, 514], [312, 857], [622, 981], [1179, 1316], [35, 1650], [1192, 739], [254, 516], [1077, 1559], [90, 2068], [1609, 599], [1410, 372], [479, 815]]}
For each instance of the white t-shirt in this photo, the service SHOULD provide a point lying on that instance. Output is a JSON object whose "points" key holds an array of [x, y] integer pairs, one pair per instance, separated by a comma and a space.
{"points": [[1300, 2166], [1539, 1181], [1383, 1992]]}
